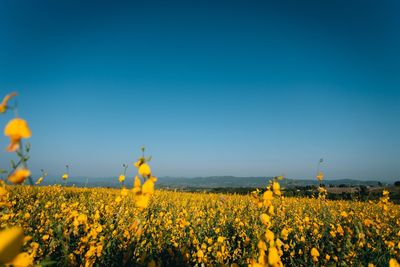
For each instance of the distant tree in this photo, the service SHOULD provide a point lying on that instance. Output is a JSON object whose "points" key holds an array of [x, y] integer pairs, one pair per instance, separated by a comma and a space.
{"points": [[397, 183], [364, 192], [380, 184]]}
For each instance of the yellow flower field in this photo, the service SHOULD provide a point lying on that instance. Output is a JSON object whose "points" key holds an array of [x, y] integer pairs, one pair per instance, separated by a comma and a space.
{"points": [[77, 226]]}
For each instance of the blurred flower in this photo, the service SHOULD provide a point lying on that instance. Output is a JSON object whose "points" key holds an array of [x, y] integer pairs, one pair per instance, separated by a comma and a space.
{"points": [[3, 104], [39, 180], [148, 187], [11, 241], [19, 176], [320, 176], [16, 129], [273, 256], [144, 170]]}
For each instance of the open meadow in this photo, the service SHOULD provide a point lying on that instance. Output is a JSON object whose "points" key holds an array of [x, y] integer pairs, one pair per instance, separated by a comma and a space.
{"points": [[104, 227]]}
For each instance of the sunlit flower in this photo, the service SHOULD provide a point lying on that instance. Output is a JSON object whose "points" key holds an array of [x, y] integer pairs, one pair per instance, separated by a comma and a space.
{"points": [[273, 256], [314, 253], [276, 188], [121, 178], [3, 104], [19, 176], [148, 187], [393, 263], [22, 260], [144, 170], [265, 219], [65, 176], [143, 201], [11, 241], [138, 163], [39, 180], [16, 129]]}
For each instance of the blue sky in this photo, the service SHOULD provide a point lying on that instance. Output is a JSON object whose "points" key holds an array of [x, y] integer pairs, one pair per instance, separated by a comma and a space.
{"points": [[248, 88]]}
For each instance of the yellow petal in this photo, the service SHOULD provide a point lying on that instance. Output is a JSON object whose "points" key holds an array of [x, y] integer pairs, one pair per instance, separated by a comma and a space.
{"points": [[19, 176], [23, 260], [11, 241], [148, 187], [144, 170], [17, 128]]}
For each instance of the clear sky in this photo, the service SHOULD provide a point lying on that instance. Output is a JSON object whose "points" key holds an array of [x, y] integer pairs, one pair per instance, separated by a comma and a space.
{"points": [[248, 88]]}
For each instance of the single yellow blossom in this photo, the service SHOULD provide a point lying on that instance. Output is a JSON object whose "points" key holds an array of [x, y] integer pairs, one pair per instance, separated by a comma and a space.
{"points": [[3, 104], [273, 256], [144, 170], [265, 219], [19, 176], [276, 188], [148, 187], [11, 241], [314, 253], [16, 129], [393, 263], [39, 180], [22, 260]]}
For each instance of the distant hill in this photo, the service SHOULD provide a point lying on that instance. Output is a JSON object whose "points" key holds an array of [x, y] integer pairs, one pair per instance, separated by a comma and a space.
{"points": [[232, 181], [209, 182]]}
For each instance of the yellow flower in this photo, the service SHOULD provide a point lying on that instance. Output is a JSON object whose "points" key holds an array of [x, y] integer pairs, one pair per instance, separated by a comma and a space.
{"points": [[276, 188], [3, 191], [320, 176], [268, 195], [284, 233], [327, 257], [138, 163], [39, 180], [143, 201], [19, 176], [269, 236], [121, 178], [124, 192], [118, 199], [148, 187], [200, 254], [265, 219], [314, 253], [144, 170], [65, 176], [11, 241], [393, 263], [136, 185], [16, 129], [23, 260], [273, 256], [3, 104]]}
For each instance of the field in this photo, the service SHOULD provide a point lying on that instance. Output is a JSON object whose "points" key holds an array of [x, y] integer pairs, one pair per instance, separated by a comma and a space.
{"points": [[64, 225], [77, 226]]}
